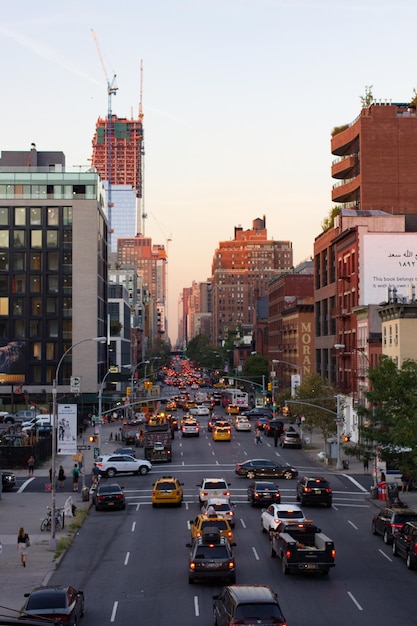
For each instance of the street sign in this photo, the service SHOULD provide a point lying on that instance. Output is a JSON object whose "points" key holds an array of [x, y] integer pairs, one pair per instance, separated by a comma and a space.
{"points": [[96, 452], [75, 384], [83, 447]]}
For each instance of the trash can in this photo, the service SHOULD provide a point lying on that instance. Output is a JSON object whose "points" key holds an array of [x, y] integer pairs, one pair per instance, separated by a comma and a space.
{"points": [[382, 490], [374, 492], [85, 494]]}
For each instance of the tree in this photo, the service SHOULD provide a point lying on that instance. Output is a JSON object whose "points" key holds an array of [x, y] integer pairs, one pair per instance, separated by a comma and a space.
{"points": [[255, 368], [368, 98], [202, 353], [328, 221], [315, 391], [389, 420]]}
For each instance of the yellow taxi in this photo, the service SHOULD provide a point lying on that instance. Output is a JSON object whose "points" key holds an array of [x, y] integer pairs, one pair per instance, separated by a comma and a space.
{"points": [[232, 409], [189, 404], [203, 521], [222, 431], [167, 490], [171, 405]]}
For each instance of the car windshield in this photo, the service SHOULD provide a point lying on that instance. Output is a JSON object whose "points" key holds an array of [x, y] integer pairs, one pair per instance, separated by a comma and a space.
{"points": [[265, 487], [221, 524], [109, 489], [257, 611], [221, 507], [215, 485], [212, 552], [402, 518], [165, 486], [47, 600]]}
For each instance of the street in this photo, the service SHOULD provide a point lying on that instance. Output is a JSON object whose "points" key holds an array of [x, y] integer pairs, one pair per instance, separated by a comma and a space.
{"points": [[132, 565]]}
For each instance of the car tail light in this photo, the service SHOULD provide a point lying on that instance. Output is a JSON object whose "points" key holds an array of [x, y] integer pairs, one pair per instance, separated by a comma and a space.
{"points": [[333, 553], [226, 493], [328, 490], [307, 489], [229, 535], [204, 493], [119, 496], [192, 565], [231, 565], [398, 526]]}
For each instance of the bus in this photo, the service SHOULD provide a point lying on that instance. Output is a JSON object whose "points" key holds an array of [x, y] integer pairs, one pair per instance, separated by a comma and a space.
{"points": [[235, 396]]}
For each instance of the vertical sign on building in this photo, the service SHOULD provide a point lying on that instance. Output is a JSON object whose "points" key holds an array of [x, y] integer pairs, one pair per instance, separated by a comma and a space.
{"points": [[67, 429]]}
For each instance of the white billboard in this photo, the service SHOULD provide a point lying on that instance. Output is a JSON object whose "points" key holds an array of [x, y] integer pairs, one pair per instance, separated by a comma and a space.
{"points": [[67, 429], [386, 261]]}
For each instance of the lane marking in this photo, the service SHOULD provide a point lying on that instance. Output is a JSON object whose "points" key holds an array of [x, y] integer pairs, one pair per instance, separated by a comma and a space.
{"points": [[352, 597], [133, 527], [352, 524], [243, 523], [114, 611], [255, 553], [127, 558], [385, 555]]}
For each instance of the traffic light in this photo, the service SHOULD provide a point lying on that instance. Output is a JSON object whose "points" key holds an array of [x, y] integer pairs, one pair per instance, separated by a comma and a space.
{"points": [[269, 386], [93, 438], [128, 391], [346, 438]]}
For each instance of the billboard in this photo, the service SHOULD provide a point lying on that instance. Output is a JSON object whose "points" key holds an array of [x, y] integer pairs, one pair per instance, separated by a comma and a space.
{"points": [[386, 261], [67, 429]]}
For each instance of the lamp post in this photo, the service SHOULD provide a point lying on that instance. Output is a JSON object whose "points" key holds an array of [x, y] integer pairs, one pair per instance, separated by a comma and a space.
{"points": [[298, 367], [339, 421], [146, 363], [52, 540]]}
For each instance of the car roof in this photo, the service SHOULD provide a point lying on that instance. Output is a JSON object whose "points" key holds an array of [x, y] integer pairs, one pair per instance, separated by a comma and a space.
{"points": [[252, 593]]}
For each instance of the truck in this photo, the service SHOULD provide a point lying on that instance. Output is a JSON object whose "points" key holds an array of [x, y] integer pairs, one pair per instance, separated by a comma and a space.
{"points": [[302, 547], [157, 442]]}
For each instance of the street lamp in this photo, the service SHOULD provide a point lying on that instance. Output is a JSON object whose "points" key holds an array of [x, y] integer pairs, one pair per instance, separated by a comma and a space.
{"points": [[52, 541], [298, 367]]}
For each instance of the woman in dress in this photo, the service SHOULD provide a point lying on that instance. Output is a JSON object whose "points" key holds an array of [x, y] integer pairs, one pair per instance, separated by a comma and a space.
{"points": [[22, 545]]}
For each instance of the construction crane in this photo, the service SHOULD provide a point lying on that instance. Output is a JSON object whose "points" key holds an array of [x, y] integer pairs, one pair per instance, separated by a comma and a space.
{"points": [[111, 91]]}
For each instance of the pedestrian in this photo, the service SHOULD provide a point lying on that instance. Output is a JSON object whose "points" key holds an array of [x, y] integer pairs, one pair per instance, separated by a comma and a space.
{"points": [[365, 465], [405, 481], [23, 542], [258, 439], [276, 433], [75, 475], [61, 477], [31, 464], [50, 475], [382, 478], [95, 473], [111, 436]]}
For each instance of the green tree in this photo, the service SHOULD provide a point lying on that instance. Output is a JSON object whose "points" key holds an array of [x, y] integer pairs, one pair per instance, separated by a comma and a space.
{"points": [[389, 420], [328, 221], [255, 368], [315, 391], [202, 353]]}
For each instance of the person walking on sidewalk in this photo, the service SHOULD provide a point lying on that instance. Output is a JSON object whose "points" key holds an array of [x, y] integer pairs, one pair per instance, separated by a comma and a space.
{"points": [[61, 477], [75, 476], [31, 464], [365, 465], [23, 542]]}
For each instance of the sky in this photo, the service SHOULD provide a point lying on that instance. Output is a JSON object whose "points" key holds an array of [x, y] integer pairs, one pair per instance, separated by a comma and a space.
{"points": [[239, 101]]}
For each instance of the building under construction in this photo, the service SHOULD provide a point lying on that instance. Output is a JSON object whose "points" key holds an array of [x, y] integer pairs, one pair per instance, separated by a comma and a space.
{"points": [[118, 151]]}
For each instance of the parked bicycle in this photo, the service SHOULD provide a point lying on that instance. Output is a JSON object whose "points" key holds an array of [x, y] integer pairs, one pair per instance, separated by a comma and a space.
{"points": [[46, 523]]}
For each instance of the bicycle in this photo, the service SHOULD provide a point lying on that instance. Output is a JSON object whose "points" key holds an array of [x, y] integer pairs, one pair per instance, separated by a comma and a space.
{"points": [[46, 523]]}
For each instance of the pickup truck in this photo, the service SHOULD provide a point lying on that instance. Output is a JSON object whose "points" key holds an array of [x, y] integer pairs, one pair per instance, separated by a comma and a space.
{"points": [[302, 547]]}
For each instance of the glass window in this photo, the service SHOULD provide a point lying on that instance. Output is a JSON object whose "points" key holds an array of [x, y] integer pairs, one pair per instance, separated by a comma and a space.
{"points": [[67, 282], [19, 238], [68, 191], [53, 260], [18, 260], [51, 306], [35, 260], [52, 238], [4, 287], [37, 350], [36, 374], [18, 283], [4, 238], [67, 260], [4, 261], [58, 192], [67, 215], [67, 236], [50, 351], [53, 216], [19, 329], [67, 329], [53, 284], [36, 306], [4, 216], [19, 216], [18, 306], [3, 329], [35, 283], [34, 328], [36, 239], [35, 216], [67, 307], [52, 328]]}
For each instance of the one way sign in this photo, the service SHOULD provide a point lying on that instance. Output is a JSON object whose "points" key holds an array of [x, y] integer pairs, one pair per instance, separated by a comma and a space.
{"points": [[75, 384]]}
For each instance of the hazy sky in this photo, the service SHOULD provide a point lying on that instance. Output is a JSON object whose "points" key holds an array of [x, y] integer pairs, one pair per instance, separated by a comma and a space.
{"points": [[239, 100]]}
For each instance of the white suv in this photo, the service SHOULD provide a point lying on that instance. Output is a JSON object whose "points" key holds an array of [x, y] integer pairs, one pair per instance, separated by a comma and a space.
{"points": [[213, 488], [112, 464]]}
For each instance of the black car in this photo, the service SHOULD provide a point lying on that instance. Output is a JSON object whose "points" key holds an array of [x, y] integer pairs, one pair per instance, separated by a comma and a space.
{"points": [[8, 480], [390, 520], [259, 411], [109, 497], [274, 426], [405, 544], [262, 422], [261, 492], [247, 604], [259, 468], [55, 604], [211, 557], [314, 490]]}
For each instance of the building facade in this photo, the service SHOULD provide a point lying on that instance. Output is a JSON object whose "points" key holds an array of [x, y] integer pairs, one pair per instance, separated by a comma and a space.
{"points": [[53, 272]]}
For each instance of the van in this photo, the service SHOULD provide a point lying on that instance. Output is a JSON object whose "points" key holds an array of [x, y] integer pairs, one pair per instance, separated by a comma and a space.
{"points": [[39, 420]]}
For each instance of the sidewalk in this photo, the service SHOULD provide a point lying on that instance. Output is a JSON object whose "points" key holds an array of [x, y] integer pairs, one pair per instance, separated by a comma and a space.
{"points": [[28, 510]]}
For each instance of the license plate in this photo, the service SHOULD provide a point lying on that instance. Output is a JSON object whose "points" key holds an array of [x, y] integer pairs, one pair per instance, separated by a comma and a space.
{"points": [[110, 503], [267, 496], [211, 565], [317, 492]]}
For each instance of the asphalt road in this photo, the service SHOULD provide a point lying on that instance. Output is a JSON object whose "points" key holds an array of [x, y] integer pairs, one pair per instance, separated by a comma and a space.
{"points": [[132, 565]]}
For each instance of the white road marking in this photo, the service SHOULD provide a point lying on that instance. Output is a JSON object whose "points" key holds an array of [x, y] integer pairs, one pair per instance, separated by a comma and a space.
{"points": [[255, 553], [133, 527], [352, 597], [114, 611], [352, 524], [196, 608], [385, 555], [127, 558], [243, 523]]}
